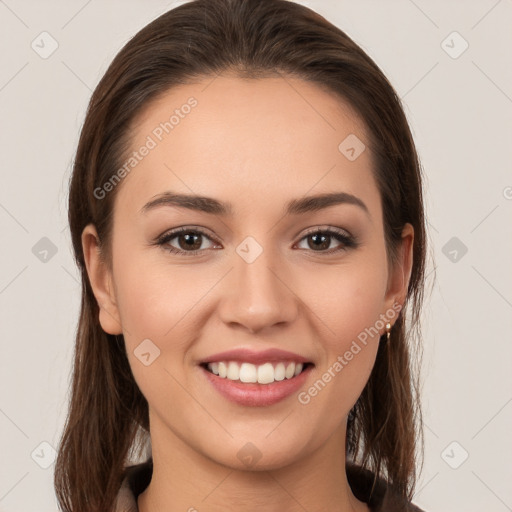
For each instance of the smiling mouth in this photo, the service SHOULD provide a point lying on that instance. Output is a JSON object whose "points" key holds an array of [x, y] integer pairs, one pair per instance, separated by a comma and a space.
{"points": [[266, 373]]}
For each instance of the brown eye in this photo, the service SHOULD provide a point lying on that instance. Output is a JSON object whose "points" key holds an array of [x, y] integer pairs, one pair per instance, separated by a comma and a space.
{"points": [[320, 240], [188, 241]]}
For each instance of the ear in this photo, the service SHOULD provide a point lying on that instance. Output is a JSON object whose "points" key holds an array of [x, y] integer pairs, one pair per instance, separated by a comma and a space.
{"points": [[101, 281], [400, 271]]}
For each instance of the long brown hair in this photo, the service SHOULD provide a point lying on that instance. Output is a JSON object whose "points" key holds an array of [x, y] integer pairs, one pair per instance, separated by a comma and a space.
{"points": [[107, 421]]}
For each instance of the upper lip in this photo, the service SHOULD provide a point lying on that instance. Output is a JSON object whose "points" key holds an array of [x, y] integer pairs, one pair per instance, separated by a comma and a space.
{"points": [[256, 357]]}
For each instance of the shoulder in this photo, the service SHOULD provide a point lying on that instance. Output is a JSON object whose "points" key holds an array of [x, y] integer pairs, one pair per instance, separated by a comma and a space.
{"points": [[376, 492]]}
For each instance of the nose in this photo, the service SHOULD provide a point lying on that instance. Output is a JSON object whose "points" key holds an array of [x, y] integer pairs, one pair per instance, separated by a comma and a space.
{"points": [[258, 295]]}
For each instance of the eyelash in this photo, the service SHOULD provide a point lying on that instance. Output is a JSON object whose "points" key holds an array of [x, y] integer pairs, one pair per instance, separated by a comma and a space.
{"points": [[348, 241]]}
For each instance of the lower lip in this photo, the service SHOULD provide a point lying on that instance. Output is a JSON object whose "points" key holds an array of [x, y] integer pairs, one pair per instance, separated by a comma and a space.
{"points": [[254, 394]]}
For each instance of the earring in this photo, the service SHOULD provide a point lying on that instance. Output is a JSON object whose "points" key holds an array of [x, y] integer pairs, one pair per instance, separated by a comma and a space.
{"points": [[388, 331]]}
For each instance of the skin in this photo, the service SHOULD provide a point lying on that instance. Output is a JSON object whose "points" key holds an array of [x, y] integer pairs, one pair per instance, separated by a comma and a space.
{"points": [[256, 144]]}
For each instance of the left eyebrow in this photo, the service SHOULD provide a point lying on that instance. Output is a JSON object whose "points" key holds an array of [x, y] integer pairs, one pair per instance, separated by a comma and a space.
{"points": [[216, 207]]}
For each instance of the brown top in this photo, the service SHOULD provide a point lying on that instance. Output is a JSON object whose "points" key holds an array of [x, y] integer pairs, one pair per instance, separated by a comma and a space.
{"points": [[382, 499]]}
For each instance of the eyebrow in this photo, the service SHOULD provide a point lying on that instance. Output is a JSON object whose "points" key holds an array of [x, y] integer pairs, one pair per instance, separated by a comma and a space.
{"points": [[216, 207]]}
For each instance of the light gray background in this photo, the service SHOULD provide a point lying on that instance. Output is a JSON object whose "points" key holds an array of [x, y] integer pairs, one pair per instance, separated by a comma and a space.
{"points": [[460, 111]]}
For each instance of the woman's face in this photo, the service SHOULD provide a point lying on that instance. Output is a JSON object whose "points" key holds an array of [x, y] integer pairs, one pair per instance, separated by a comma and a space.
{"points": [[274, 271]]}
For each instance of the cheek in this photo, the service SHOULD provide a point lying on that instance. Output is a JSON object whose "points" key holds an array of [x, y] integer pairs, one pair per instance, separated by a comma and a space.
{"points": [[349, 350], [348, 306], [155, 300], [163, 304], [349, 298], [156, 303]]}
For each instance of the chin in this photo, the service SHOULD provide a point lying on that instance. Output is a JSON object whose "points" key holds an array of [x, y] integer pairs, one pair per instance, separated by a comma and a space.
{"points": [[258, 453]]}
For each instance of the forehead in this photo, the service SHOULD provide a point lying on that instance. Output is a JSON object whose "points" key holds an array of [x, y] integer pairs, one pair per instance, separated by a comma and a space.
{"points": [[248, 142]]}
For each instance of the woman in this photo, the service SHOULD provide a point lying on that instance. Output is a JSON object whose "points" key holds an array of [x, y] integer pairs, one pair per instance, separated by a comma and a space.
{"points": [[246, 211]]}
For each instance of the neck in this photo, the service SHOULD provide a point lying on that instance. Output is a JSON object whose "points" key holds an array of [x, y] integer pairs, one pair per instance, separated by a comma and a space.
{"points": [[185, 480]]}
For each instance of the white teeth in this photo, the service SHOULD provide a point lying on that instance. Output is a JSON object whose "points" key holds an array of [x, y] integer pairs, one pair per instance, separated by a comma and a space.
{"points": [[265, 373], [233, 371], [279, 371], [223, 370], [247, 372]]}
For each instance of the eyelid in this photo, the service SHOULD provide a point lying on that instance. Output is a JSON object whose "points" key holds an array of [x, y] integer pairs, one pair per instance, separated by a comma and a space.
{"points": [[323, 228]]}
